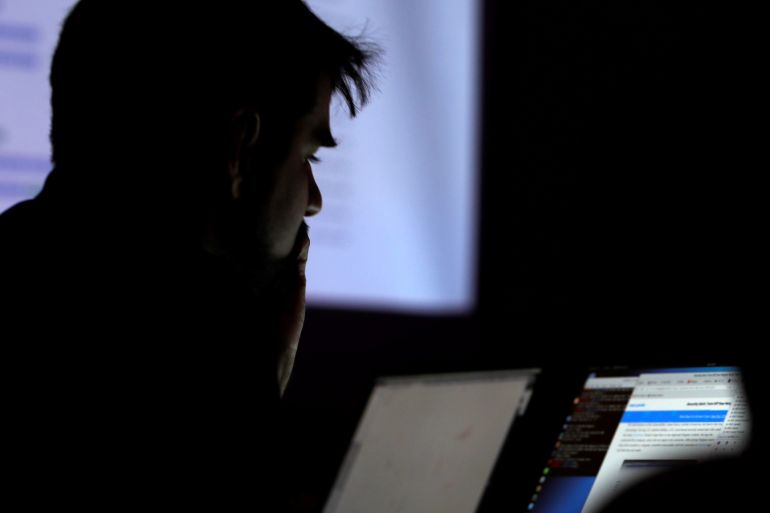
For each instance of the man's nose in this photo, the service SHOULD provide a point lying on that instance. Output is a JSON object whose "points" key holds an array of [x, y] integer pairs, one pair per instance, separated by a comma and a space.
{"points": [[314, 200]]}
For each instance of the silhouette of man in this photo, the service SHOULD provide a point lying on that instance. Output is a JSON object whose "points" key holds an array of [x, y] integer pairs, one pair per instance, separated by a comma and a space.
{"points": [[154, 290]]}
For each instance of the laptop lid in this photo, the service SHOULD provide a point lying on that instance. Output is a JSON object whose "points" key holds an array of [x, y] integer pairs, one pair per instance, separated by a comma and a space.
{"points": [[429, 443]]}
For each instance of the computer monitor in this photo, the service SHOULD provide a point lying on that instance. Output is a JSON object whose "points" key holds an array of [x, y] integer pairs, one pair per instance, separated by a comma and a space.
{"points": [[400, 192]]}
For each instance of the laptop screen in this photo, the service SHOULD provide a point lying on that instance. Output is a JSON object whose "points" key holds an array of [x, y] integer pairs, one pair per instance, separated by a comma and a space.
{"points": [[628, 425], [429, 443]]}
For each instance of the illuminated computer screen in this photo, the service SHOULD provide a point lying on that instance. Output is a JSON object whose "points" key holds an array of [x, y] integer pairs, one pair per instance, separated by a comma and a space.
{"points": [[399, 227]]}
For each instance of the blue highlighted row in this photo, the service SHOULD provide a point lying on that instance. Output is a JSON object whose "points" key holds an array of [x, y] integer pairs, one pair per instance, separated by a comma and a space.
{"points": [[25, 163], [699, 370], [16, 32], [674, 416], [22, 60]]}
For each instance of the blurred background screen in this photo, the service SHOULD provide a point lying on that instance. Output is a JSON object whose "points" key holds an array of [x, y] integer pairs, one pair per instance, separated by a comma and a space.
{"points": [[400, 194], [28, 35]]}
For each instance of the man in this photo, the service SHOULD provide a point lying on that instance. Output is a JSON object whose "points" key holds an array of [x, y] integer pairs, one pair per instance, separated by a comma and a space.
{"points": [[154, 290]]}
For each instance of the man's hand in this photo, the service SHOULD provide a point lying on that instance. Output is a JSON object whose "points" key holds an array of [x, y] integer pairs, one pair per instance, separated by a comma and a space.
{"points": [[293, 316]]}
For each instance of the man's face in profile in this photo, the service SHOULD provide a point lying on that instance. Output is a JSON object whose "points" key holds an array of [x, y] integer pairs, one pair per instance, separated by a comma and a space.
{"points": [[266, 230], [293, 193], [273, 202]]}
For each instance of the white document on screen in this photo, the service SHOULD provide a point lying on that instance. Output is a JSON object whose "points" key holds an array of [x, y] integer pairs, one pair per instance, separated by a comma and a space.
{"points": [[673, 419]]}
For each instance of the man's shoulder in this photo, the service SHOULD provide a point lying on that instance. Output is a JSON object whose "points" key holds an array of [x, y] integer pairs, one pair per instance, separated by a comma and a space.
{"points": [[139, 431], [22, 248], [18, 219]]}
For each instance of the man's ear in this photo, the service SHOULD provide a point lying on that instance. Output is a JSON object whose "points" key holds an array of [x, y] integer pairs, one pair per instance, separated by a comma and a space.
{"points": [[243, 135]]}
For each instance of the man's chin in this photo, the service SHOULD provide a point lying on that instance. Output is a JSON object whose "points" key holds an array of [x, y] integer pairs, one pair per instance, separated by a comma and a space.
{"points": [[267, 266]]}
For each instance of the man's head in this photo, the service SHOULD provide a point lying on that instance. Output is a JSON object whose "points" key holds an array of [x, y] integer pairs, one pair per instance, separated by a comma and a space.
{"points": [[270, 199], [209, 111], [181, 126]]}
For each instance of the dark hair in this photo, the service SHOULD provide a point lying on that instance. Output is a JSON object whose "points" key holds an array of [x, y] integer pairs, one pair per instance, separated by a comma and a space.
{"points": [[137, 80]]}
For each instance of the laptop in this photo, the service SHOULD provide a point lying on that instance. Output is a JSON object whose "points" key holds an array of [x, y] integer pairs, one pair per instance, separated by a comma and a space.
{"points": [[432, 443], [628, 425], [429, 443]]}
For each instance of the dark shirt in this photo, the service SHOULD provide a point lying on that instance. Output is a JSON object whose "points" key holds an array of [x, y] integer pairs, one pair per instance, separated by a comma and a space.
{"points": [[134, 369]]}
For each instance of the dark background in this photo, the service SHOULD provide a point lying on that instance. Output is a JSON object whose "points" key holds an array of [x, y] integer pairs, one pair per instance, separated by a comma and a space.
{"points": [[615, 228]]}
